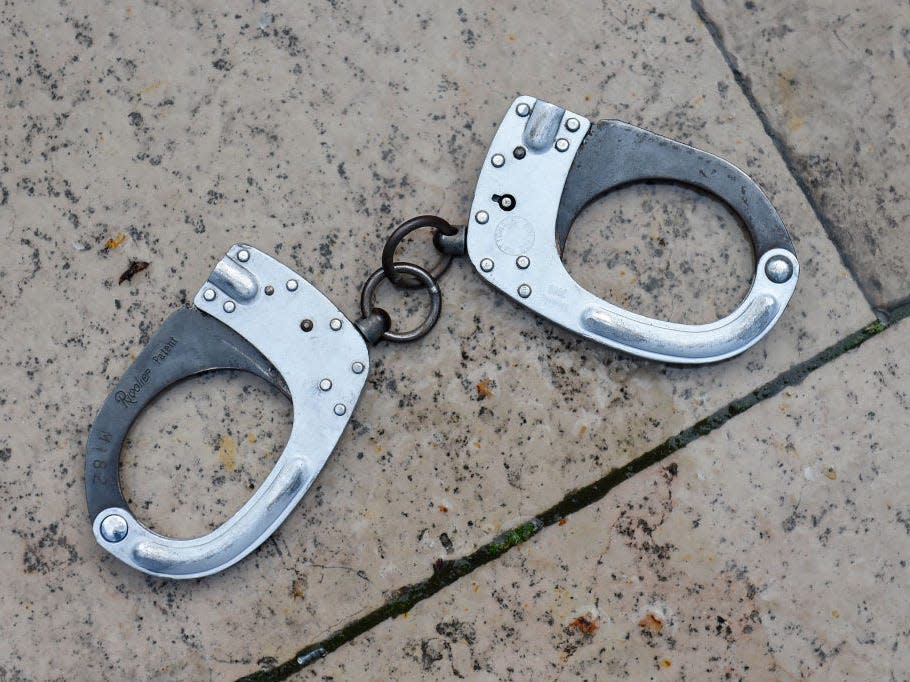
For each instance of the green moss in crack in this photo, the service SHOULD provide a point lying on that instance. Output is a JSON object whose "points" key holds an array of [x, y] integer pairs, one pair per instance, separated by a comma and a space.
{"points": [[505, 541]]}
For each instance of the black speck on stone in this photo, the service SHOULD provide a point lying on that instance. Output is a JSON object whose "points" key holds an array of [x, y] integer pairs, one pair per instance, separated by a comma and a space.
{"points": [[222, 65], [5, 454], [267, 662], [455, 630], [429, 653], [135, 119]]}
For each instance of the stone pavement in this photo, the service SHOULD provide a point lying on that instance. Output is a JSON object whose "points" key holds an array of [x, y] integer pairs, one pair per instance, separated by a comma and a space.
{"points": [[830, 79], [775, 547], [166, 133]]}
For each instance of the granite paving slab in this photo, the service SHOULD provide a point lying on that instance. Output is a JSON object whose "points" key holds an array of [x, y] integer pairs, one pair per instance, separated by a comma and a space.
{"points": [[832, 80], [163, 133], [774, 548]]}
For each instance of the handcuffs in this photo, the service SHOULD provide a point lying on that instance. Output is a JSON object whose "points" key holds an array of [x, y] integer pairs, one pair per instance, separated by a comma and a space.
{"points": [[544, 166]]}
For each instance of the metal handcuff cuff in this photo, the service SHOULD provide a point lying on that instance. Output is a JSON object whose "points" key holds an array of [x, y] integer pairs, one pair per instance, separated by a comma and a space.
{"points": [[544, 166]]}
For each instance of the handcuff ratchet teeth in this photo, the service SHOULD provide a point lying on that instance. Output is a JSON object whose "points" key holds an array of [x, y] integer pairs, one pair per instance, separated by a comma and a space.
{"points": [[254, 314]]}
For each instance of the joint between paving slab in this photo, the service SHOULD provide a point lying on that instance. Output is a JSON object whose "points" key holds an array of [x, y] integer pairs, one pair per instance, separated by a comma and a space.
{"points": [[447, 572], [786, 154], [895, 312]]}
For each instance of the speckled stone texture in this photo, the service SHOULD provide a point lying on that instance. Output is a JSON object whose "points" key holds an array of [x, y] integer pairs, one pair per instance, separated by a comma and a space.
{"points": [[165, 132], [775, 548], [832, 79]]}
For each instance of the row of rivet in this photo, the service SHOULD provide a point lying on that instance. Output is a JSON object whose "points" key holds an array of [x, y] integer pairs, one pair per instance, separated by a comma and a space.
{"points": [[326, 385], [522, 263], [523, 109], [292, 285], [229, 306]]}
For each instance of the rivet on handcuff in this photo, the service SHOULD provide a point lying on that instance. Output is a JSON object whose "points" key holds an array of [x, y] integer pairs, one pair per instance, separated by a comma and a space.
{"points": [[544, 166]]}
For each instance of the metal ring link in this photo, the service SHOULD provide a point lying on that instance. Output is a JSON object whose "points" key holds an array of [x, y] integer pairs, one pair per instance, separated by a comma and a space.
{"points": [[368, 300], [402, 231]]}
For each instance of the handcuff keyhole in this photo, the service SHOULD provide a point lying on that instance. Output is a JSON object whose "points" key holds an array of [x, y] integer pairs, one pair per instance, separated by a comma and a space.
{"points": [[506, 201]]}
